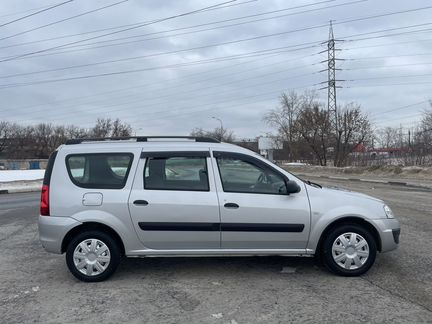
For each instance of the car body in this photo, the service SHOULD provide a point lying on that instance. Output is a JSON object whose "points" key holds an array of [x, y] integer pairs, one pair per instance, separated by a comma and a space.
{"points": [[144, 196]]}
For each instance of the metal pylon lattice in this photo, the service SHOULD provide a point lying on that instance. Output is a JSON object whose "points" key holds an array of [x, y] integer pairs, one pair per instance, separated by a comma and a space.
{"points": [[331, 85]]}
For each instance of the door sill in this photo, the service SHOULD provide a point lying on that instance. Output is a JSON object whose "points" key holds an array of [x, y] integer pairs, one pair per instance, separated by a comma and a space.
{"points": [[219, 252]]}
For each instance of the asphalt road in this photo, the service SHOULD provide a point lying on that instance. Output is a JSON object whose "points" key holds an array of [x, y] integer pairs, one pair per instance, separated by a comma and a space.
{"points": [[37, 287]]}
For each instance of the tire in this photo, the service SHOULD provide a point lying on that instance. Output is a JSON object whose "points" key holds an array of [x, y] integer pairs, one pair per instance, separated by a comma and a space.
{"points": [[341, 257], [93, 256]]}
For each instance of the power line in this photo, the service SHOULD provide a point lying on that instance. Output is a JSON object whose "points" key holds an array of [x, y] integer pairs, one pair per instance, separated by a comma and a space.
{"points": [[225, 43], [399, 118], [89, 76], [198, 90], [388, 44], [32, 54], [23, 11], [270, 51], [386, 66], [63, 20], [176, 29], [122, 30], [390, 77], [36, 13], [389, 84], [146, 85], [212, 23], [389, 35], [381, 57], [273, 92], [229, 57], [399, 108], [166, 53], [4, 59]]}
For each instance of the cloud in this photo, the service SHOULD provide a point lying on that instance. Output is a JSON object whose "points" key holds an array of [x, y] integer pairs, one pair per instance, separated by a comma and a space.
{"points": [[239, 91]]}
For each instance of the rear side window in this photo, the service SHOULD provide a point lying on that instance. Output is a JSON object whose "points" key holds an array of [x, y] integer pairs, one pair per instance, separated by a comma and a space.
{"points": [[176, 173], [49, 168], [99, 170]]}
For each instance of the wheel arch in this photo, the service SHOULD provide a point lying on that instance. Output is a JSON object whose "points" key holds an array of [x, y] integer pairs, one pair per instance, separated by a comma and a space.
{"points": [[89, 226], [349, 220]]}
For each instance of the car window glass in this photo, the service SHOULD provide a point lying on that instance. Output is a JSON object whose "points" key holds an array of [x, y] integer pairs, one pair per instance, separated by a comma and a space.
{"points": [[105, 170], [243, 176], [176, 173]]}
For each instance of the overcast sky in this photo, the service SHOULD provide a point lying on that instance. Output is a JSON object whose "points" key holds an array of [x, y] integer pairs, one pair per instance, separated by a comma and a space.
{"points": [[188, 75]]}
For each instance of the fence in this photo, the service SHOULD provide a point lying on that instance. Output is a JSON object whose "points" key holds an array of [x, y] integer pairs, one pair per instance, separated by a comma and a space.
{"points": [[25, 164]]}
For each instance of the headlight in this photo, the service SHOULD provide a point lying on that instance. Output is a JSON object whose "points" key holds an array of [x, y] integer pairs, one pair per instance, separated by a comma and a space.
{"points": [[388, 212]]}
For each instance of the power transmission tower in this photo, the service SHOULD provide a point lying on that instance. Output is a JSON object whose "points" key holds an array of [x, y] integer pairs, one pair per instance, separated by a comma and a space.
{"points": [[331, 77]]}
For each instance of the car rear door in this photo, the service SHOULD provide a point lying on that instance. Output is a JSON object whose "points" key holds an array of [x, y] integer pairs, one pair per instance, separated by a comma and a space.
{"points": [[173, 203], [256, 212]]}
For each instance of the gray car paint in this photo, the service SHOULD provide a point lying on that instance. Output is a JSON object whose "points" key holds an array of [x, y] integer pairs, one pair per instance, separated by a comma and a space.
{"points": [[314, 207]]}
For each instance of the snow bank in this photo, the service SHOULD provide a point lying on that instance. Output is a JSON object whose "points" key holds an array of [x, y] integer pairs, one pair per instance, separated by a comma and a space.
{"points": [[18, 175]]}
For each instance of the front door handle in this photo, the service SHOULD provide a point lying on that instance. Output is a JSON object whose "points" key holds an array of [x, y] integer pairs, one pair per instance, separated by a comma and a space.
{"points": [[141, 202], [231, 205]]}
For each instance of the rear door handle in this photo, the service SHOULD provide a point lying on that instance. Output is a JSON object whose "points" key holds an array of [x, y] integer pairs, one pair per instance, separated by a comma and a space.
{"points": [[231, 205], [141, 202]]}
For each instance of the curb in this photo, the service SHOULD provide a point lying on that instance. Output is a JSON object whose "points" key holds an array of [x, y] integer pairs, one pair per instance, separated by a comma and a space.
{"points": [[391, 183], [23, 190], [21, 186]]}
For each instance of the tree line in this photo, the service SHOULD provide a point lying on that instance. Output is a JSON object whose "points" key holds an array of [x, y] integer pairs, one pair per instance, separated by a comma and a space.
{"points": [[300, 121], [303, 122], [38, 141]]}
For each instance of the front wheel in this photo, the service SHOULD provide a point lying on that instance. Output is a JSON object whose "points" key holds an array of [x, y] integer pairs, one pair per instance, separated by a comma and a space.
{"points": [[349, 250], [92, 256]]}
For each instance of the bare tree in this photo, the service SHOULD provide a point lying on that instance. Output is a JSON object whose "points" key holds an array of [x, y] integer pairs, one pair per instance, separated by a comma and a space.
{"points": [[120, 129], [21, 141], [73, 131], [353, 129], [388, 137], [284, 118], [314, 128], [5, 132], [105, 127], [102, 128], [221, 134]]}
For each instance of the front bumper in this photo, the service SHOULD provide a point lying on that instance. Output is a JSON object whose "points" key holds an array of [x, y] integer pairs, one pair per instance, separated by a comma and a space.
{"points": [[52, 231], [389, 231]]}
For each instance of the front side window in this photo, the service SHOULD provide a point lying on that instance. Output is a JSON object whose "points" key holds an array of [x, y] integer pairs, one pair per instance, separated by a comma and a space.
{"points": [[176, 173], [99, 170], [244, 176]]}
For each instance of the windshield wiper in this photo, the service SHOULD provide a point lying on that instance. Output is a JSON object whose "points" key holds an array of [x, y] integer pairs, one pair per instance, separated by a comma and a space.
{"points": [[314, 184]]}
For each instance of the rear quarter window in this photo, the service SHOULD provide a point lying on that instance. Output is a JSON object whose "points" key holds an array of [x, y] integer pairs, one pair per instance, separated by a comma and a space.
{"points": [[99, 170]]}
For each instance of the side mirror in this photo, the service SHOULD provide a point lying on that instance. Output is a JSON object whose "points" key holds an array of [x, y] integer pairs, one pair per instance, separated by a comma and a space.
{"points": [[291, 187]]}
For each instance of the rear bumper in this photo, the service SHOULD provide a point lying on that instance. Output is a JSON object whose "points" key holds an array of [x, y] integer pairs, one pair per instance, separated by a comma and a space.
{"points": [[52, 231], [389, 231]]}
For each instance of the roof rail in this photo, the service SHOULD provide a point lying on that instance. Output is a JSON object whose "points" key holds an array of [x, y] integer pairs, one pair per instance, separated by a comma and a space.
{"points": [[140, 139]]}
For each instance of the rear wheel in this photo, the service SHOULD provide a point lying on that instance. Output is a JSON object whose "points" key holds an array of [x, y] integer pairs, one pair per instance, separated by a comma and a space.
{"points": [[92, 256], [349, 250]]}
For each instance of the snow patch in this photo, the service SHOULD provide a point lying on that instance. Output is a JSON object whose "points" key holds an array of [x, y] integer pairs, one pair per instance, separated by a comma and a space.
{"points": [[19, 175]]}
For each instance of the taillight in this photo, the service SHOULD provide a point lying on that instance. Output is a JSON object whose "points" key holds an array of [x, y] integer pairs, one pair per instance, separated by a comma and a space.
{"points": [[44, 205]]}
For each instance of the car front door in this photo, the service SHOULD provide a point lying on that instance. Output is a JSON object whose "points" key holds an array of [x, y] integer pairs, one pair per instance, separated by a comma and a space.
{"points": [[173, 203], [256, 211]]}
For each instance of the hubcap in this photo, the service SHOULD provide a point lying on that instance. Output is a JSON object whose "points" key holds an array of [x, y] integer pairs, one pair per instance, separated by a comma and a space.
{"points": [[91, 257], [350, 251]]}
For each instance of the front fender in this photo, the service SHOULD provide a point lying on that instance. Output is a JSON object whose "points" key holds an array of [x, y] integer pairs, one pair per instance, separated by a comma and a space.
{"points": [[320, 222]]}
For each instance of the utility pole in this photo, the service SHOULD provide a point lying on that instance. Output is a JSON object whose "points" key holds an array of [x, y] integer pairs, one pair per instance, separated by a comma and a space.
{"points": [[221, 127]]}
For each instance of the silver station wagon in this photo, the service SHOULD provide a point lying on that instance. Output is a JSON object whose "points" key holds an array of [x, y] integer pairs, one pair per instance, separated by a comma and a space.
{"points": [[105, 199]]}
